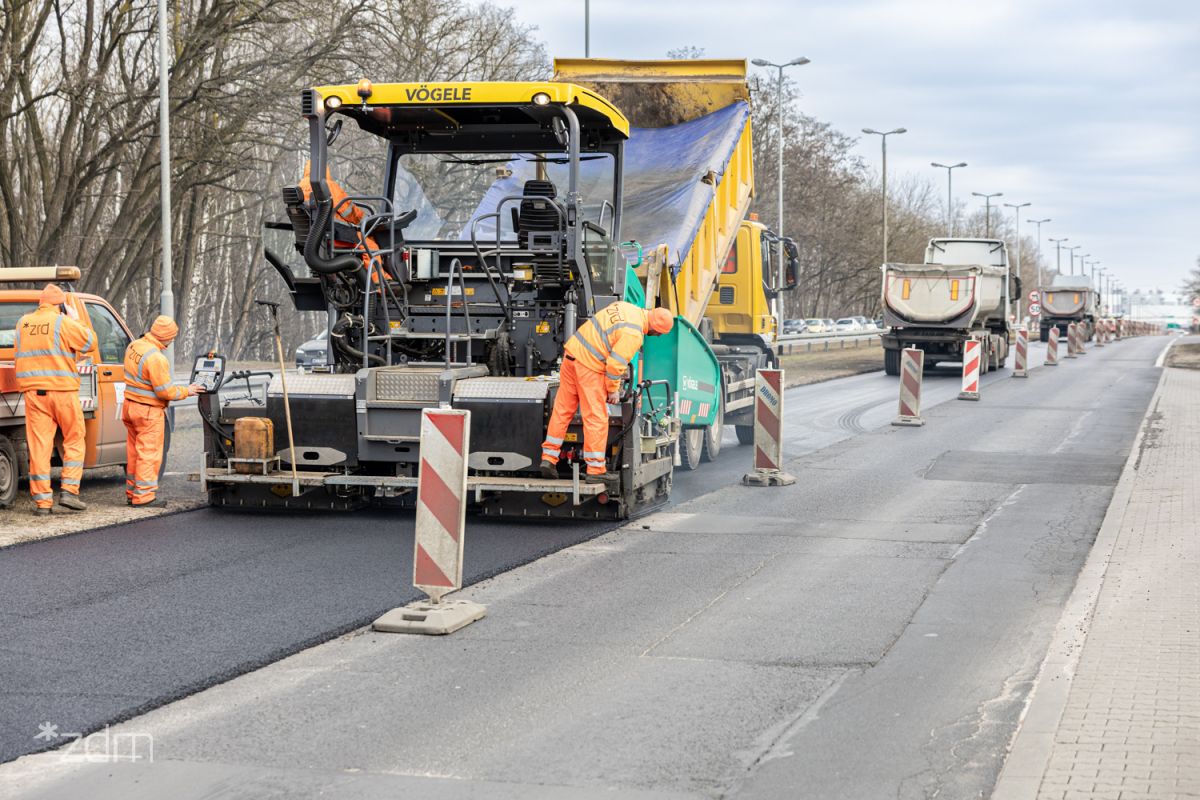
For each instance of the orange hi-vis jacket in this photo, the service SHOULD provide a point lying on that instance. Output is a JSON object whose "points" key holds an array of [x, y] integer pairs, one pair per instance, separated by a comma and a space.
{"points": [[46, 347], [148, 375], [608, 341]]}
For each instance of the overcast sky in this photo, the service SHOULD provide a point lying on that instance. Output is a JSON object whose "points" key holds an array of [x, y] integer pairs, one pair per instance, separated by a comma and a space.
{"points": [[1089, 109]]}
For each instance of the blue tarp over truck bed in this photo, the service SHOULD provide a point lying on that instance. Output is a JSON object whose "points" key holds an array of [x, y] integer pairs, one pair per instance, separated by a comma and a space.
{"points": [[665, 195]]}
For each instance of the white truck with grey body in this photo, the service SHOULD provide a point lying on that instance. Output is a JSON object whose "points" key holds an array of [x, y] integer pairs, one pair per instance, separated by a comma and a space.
{"points": [[1068, 298], [959, 293]]}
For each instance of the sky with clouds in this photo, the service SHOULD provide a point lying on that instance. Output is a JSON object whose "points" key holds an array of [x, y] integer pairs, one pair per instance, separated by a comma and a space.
{"points": [[1089, 109]]}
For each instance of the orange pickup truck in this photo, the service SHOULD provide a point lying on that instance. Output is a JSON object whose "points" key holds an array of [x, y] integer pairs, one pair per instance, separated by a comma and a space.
{"points": [[101, 371]]}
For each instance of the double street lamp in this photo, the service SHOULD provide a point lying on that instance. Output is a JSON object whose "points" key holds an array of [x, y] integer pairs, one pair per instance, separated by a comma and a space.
{"points": [[795, 62], [1071, 253], [987, 214], [949, 192], [883, 137], [1058, 253], [1017, 210]]}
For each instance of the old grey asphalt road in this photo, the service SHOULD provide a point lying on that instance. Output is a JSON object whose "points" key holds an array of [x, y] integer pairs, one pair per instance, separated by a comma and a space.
{"points": [[869, 632]]}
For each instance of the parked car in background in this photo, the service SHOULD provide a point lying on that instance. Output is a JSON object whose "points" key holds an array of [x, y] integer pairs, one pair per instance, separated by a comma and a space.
{"points": [[816, 325], [863, 323], [313, 353], [794, 326], [847, 325], [830, 325]]}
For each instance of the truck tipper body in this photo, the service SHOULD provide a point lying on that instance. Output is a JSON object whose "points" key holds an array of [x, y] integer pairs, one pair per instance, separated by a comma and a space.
{"points": [[1069, 298], [101, 372], [959, 293], [509, 214]]}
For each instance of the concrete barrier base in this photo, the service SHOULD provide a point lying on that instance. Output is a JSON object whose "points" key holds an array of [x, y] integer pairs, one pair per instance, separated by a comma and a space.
{"points": [[768, 477], [908, 422], [435, 619]]}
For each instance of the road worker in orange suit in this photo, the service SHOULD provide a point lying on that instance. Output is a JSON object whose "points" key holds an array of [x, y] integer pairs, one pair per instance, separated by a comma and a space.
{"points": [[148, 390], [47, 345], [594, 361]]}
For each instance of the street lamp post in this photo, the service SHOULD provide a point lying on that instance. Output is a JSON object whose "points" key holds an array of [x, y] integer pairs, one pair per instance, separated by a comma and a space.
{"points": [[883, 138], [987, 213], [1071, 253], [795, 62], [587, 28], [1017, 210], [949, 192], [1058, 253], [1039, 223], [167, 298]]}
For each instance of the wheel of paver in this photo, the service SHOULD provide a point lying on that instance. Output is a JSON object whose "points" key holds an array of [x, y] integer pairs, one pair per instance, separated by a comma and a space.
{"points": [[9, 471], [745, 433], [713, 434], [891, 362], [691, 442]]}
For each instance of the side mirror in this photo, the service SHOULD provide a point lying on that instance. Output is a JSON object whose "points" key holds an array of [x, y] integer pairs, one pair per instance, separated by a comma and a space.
{"points": [[791, 266], [560, 131], [332, 134]]}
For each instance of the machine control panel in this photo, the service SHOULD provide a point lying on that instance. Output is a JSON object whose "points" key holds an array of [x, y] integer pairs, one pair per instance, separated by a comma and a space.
{"points": [[208, 372]]}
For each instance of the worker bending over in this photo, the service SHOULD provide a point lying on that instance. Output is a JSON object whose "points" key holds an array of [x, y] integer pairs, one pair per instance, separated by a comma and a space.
{"points": [[148, 390], [47, 345], [594, 361]]}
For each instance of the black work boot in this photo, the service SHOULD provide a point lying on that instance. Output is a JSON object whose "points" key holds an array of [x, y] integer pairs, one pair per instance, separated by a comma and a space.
{"points": [[71, 501], [41, 512], [549, 471], [604, 477]]}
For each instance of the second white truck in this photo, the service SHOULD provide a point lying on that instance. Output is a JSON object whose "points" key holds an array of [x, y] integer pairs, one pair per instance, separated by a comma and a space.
{"points": [[959, 293]]}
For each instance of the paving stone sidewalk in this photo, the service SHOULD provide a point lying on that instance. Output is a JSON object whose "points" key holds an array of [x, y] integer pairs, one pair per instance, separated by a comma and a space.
{"points": [[1130, 724]]}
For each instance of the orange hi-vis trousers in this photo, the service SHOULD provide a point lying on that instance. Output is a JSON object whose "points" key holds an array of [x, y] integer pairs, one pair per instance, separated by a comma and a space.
{"points": [[583, 389], [46, 411], [145, 428]]}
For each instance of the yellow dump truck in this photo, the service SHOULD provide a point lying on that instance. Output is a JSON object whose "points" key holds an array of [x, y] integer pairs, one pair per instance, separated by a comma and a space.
{"points": [[505, 215]]}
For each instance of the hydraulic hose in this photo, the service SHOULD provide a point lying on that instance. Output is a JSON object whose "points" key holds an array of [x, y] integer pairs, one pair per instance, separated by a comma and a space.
{"points": [[312, 243]]}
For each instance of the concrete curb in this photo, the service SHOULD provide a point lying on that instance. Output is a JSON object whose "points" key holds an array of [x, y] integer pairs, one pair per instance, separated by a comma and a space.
{"points": [[1031, 746]]}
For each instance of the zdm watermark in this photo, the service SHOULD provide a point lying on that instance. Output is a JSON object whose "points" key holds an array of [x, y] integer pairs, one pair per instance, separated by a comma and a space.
{"points": [[101, 747]]}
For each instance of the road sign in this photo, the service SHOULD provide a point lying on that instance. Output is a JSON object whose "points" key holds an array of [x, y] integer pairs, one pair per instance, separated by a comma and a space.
{"points": [[1035, 296], [1035, 309]]}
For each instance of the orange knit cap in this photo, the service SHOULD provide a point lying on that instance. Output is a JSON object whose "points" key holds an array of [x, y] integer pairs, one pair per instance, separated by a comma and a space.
{"points": [[164, 329], [661, 320], [52, 296]]}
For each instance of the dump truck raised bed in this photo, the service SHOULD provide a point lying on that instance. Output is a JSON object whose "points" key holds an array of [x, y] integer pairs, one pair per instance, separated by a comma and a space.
{"points": [[1068, 298], [504, 216], [958, 294]]}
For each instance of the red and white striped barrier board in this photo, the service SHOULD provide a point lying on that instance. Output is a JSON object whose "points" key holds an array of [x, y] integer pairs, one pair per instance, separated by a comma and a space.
{"points": [[912, 371], [1072, 334], [1100, 328], [1020, 363], [441, 501], [972, 353], [1080, 338], [768, 431], [1052, 348], [440, 529]]}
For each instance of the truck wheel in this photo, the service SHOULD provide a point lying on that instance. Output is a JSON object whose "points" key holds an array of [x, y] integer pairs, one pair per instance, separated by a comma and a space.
{"points": [[691, 442], [713, 434], [9, 472], [891, 362], [1045, 334], [745, 433]]}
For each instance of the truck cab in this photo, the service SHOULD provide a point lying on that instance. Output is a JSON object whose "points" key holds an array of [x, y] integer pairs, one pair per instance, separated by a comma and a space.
{"points": [[101, 372]]}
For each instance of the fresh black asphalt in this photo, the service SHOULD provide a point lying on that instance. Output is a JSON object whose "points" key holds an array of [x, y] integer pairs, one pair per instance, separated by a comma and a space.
{"points": [[99, 627]]}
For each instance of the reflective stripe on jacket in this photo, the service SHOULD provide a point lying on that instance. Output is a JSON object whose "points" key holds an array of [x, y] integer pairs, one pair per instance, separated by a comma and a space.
{"points": [[608, 341], [47, 345], [148, 375]]}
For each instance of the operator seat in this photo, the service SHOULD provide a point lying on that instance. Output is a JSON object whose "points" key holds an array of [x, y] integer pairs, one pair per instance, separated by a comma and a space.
{"points": [[293, 200], [537, 213]]}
